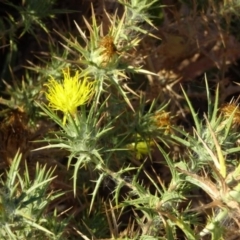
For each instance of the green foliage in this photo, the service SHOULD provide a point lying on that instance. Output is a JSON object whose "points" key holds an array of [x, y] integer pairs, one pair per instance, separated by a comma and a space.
{"points": [[30, 13], [23, 202], [116, 164]]}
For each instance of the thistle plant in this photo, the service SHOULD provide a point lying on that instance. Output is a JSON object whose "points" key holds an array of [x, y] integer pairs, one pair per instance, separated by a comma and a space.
{"points": [[78, 134], [30, 13], [130, 170], [23, 203], [21, 96], [212, 147], [87, 136], [211, 133], [104, 135]]}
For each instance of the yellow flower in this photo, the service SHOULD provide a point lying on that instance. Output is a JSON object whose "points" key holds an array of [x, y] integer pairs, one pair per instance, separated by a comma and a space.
{"points": [[69, 94], [141, 148]]}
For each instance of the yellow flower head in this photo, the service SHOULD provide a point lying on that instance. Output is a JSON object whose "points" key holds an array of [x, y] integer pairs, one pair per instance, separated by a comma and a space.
{"points": [[67, 95], [141, 148]]}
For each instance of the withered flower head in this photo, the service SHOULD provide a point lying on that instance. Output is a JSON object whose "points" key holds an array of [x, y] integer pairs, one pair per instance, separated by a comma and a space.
{"points": [[109, 49], [227, 111], [162, 119]]}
